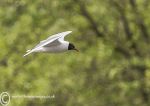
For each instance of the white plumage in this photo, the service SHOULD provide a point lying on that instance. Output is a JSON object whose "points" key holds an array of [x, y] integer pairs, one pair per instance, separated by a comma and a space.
{"points": [[53, 44]]}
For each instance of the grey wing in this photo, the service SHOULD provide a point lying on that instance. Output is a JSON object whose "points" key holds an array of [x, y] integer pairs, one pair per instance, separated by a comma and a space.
{"points": [[62, 34], [53, 40], [41, 42], [46, 42], [54, 43]]}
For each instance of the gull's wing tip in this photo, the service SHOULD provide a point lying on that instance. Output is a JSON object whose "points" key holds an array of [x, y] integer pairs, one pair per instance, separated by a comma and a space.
{"points": [[28, 53], [25, 55], [68, 31]]}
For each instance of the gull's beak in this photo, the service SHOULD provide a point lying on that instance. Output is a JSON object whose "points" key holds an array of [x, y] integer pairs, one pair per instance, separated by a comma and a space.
{"points": [[76, 50]]}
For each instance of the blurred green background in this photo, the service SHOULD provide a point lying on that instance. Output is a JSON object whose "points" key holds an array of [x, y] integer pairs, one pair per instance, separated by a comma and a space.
{"points": [[112, 68]]}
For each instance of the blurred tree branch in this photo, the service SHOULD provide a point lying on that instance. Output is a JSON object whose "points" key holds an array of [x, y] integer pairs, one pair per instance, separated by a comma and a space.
{"points": [[144, 33], [142, 70], [139, 20], [87, 15], [142, 27], [124, 19], [120, 6]]}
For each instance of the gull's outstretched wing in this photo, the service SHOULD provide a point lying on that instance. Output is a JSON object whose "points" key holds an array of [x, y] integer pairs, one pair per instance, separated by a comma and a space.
{"points": [[52, 38], [50, 41], [62, 34]]}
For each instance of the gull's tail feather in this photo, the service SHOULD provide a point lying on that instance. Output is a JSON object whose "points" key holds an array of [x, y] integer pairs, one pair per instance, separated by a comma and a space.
{"points": [[28, 52]]}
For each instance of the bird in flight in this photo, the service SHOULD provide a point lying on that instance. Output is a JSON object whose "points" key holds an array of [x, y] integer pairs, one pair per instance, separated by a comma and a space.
{"points": [[53, 44]]}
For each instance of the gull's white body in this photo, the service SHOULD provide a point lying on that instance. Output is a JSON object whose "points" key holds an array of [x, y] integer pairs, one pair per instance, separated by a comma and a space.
{"points": [[54, 49], [53, 44]]}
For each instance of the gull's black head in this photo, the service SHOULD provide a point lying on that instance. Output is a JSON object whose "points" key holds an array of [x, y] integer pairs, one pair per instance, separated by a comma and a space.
{"points": [[72, 47]]}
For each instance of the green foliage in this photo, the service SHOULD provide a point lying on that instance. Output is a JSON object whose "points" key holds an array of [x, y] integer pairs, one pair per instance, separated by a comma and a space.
{"points": [[112, 68]]}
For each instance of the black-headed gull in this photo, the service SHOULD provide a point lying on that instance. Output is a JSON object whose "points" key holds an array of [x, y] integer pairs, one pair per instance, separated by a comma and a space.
{"points": [[53, 44]]}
